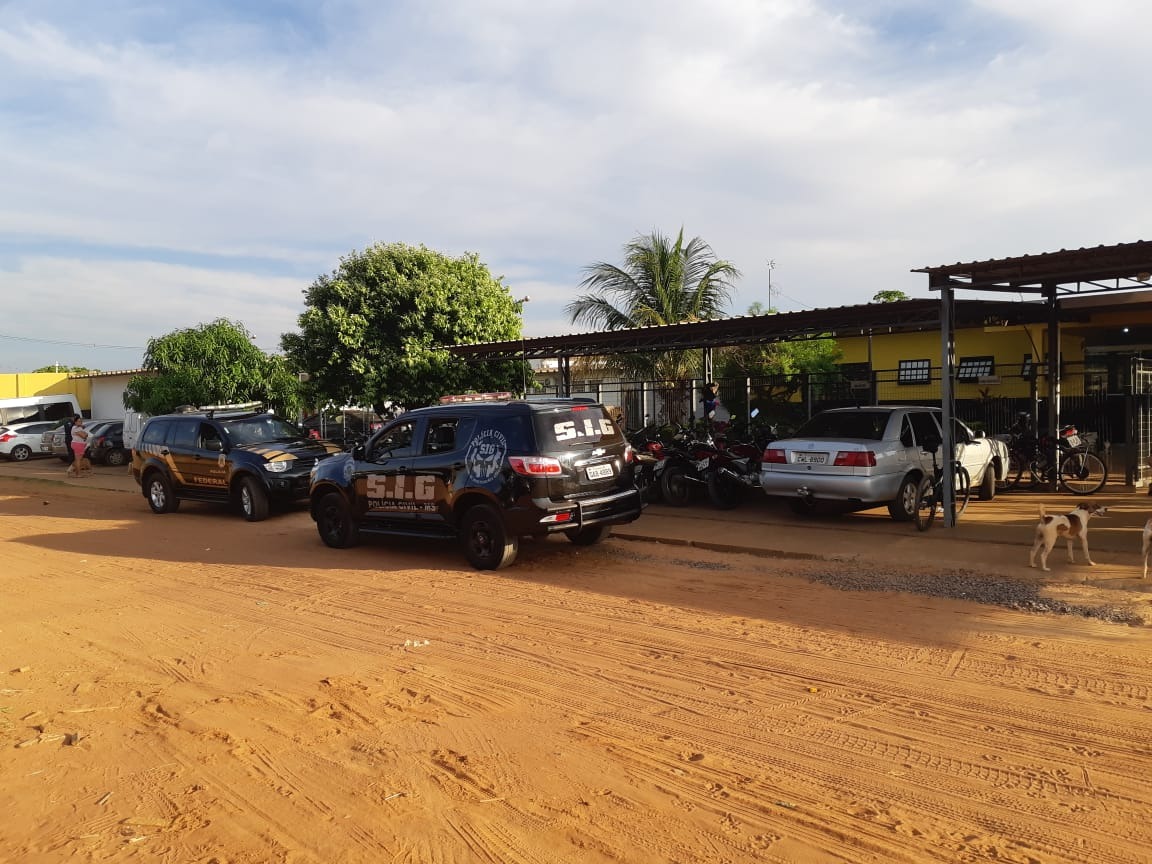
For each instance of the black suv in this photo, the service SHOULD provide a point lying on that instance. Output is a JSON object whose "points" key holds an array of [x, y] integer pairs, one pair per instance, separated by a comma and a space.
{"points": [[486, 471], [106, 443], [246, 458]]}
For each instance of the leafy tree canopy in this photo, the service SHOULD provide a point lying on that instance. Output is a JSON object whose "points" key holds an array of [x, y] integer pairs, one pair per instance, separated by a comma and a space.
{"points": [[890, 296], [374, 329], [661, 281], [211, 364], [56, 367]]}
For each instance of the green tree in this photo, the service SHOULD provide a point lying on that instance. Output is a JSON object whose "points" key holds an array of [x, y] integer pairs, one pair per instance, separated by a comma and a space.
{"points": [[660, 282], [211, 364], [374, 331], [889, 296], [56, 367]]}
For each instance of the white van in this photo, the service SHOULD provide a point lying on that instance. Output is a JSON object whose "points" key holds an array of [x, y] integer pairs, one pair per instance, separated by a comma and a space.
{"points": [[133, 423], [30, 409]]}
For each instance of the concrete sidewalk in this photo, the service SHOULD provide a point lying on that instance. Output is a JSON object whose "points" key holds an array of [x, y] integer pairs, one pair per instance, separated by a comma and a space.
{"points": [[991, 535]]}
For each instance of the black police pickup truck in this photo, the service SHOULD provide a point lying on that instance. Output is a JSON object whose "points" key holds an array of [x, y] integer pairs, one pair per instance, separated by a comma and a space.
{"points": [[245, 458], [486, 469]]}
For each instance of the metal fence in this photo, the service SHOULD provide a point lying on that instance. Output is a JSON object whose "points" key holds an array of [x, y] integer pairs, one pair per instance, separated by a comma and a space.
{"points": [[1117, 407]]}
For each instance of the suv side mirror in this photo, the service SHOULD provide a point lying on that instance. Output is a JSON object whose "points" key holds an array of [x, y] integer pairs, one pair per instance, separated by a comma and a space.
{"points": [[979, 433], [358, 452]]}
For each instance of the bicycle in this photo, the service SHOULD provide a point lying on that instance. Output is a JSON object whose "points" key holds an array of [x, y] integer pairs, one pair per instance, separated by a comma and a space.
{"points": [[1034, 462], [1075, 467], [930, 493]]}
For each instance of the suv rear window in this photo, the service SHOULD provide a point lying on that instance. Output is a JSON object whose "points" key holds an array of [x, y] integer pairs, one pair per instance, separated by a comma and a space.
{"points": [[572, 427], [846, 424]]}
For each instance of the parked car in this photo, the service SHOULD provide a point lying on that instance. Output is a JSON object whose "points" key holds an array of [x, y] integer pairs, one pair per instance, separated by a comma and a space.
{"points": [[245, 458], [873, 456], [106, 443], [485, 470], [21, 441], [52, 441]]}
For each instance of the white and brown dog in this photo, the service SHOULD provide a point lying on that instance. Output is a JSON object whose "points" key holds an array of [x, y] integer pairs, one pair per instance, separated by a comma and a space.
{"points": [[1069, 526]]}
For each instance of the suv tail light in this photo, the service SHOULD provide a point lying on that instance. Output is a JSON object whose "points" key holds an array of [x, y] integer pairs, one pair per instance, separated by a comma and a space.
{"points": [[629, 455], [775, 456], [855, 459], [7, 436], [535, 466]]}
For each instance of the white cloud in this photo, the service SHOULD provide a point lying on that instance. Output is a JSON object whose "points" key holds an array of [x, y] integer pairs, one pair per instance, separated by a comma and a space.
{"points": [[850, 142]]}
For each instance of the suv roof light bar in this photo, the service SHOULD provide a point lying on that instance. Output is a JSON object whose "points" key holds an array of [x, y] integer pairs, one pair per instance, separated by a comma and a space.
{"points": [[475, 397]]}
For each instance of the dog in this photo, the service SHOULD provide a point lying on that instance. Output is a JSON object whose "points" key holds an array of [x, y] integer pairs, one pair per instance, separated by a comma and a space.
{"points": [[1069, 526], [1147, 545]]}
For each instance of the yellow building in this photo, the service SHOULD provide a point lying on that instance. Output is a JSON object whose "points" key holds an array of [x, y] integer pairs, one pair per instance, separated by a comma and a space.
{"points": [[15, 385]]}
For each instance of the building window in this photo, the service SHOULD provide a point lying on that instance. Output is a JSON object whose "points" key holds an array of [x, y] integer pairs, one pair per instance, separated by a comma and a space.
{"points": [[914, 372], [972, 368]]}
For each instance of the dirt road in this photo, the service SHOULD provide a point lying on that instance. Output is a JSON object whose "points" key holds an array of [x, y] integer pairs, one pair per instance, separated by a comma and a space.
{"points": [[193, 688]]}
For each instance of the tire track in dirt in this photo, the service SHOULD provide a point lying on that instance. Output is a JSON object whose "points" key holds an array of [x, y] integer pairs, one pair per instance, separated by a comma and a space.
{"points": [[579, 710]]}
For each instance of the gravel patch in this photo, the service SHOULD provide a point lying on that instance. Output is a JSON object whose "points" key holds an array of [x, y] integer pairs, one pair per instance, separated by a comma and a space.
{"points": [[972, 586]]}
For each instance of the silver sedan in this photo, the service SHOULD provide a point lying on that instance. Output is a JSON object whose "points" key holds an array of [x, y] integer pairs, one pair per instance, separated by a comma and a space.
{"points": [[873, 456]]}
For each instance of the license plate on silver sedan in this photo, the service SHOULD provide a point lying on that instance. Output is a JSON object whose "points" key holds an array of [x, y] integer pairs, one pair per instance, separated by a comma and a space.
{"points": [[598, 472], [810, 458]]}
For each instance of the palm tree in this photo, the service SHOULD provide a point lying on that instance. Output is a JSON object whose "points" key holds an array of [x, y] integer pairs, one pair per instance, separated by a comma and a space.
{"points": [[660, 282]]}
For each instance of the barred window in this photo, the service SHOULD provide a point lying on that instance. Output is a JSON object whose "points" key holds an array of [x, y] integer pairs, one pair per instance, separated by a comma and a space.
{"points": [[971, 368], [914, 372]]}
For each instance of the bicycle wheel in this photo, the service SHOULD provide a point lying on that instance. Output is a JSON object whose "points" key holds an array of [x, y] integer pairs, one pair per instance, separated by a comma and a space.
{"points": [[925, 512], [1016, 466], [963, 489], [1082, 473]]}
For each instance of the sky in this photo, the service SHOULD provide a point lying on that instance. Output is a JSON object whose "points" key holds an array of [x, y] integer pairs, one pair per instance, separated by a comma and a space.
{"points": [[164, 164]]}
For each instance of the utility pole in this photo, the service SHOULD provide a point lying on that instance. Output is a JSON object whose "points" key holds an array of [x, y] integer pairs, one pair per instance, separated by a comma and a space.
{"points": [[771, 267]]}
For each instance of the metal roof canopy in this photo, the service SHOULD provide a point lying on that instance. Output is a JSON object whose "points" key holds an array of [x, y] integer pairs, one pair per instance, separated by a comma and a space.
{"points": [[1126, 265], [859, 320]]}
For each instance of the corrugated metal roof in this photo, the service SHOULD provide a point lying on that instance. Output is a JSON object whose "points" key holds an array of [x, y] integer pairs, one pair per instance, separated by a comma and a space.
{"points": [[109, 374], [1120, 263], [900, 316]]}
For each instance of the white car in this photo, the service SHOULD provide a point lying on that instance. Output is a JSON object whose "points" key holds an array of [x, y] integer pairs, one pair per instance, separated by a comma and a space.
{"points": [[874, 456], [20, 440]]}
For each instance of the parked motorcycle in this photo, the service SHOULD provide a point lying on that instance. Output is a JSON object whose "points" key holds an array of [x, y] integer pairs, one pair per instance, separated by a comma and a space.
{"points": [[735, 468], [686, 464], [649, 451]]}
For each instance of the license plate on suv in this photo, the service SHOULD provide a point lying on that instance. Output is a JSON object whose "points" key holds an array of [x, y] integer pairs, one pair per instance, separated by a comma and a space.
{"points": [[598, 472], [810, 458]]}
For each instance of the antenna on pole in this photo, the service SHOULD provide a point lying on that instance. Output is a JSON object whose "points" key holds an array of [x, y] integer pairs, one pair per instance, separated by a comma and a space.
{"points": [[771, 267]]}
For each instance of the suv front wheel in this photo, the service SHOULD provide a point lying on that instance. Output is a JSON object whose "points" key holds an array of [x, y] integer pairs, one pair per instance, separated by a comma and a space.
{"points": [[335, 522], [253, 500], [487, 545]]}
